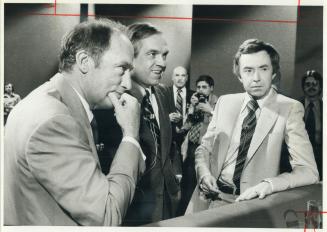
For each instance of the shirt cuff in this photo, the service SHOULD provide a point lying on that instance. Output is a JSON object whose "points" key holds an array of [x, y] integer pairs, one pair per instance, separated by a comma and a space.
{"points": [[136, 143], [271, 184]]}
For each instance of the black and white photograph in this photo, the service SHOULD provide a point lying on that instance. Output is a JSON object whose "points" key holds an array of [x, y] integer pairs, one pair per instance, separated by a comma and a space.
{"points": [[144, 115]]}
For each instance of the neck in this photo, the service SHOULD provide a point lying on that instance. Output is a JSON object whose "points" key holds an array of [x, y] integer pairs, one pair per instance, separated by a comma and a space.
{"points": [[313, 98]]}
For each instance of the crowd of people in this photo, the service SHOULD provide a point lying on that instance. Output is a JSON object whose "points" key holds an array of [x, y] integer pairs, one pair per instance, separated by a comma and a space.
{"points": [[180, 151]]}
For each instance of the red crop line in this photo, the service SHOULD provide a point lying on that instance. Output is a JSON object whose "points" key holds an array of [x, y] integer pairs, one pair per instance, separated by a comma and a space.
{"points": [[59, 14], [55, 7], [179, 18], [298, 8]]}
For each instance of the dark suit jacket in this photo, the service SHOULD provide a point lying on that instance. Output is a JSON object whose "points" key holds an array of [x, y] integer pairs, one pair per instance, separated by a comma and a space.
{"points": [[158, 193]]}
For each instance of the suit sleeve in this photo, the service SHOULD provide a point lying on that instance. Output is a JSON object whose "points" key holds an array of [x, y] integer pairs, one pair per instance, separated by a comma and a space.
{"points": [[203, 152], [304, 168], [61, 159]]}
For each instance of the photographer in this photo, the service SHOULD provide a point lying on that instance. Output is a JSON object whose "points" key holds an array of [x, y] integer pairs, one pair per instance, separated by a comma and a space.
{"points": [[198, 118]]}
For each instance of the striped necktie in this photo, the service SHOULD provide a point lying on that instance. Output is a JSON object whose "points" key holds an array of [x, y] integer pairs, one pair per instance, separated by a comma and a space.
{"points": [[248, 127], [179, 106], [150, 119]]}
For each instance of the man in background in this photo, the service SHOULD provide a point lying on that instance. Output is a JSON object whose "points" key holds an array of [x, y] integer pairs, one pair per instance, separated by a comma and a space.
{"points": [[10, 99], [179, 102], [312, 88], [52, 174], [158, 192], [239, 156], [199, 116]]}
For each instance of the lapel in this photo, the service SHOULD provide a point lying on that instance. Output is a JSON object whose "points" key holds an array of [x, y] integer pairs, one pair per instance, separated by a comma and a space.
{"points": [[230, 112], [165, 126], [267, 119], [70, 98]]}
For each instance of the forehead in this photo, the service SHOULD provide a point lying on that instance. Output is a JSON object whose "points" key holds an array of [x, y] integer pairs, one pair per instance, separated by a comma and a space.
{"points": [[154, 42], [180, 71], [202, 84], [256, 59], [120, 50]]}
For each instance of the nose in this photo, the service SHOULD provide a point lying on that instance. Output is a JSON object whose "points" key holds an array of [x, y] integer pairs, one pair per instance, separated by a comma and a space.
{"points": [[256, 76], [126, 82], [161, 61]]}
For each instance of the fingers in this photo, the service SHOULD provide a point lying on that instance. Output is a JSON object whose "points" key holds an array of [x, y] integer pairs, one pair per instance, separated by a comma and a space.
{"points": [[247, 195], [114, 99]]}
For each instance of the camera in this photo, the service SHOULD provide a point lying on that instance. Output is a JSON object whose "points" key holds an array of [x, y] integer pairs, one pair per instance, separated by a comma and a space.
{"points": [[202, 98]]}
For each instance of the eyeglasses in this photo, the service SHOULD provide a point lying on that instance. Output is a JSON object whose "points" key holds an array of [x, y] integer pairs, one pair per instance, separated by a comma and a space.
{"points": [[311, 84]]}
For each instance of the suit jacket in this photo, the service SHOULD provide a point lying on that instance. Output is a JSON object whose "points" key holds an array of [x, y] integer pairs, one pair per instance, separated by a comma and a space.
{"points": [[52, 173], [281, 118], [158, 192]]}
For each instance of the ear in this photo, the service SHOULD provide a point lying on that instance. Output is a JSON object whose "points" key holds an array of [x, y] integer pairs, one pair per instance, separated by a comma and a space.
{"points": [[83, 61], [240, 78]]}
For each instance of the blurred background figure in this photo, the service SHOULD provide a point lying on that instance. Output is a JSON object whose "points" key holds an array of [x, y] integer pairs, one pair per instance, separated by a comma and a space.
{"points": [[10, 99], [312, 102], [199, 115]]}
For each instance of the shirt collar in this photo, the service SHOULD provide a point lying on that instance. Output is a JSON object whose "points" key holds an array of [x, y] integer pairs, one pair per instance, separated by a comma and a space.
{"points": [[307, 102], [260, 102], [182, 89], [85, 105]]}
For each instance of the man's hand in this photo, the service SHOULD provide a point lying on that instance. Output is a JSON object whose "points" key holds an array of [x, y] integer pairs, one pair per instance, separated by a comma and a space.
{"points": [[205, 107], [175, 117], [260, 190], [209, 185], [127, 111]]}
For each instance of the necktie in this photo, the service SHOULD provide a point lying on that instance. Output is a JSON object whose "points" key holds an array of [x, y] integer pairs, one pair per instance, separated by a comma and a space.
{"points": [[310, 123], [247, 132], [179, 106], [94, 127], [150, 119], [194, 133]]}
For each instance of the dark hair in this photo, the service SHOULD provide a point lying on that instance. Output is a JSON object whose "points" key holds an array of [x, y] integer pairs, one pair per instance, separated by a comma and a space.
{"points": [[139, 31], [92, 36], [12, 87], [315, 75], [253, 46], [206, 78]]}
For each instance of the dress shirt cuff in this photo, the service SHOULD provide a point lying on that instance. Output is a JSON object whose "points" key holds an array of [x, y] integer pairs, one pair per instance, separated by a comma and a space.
{"points": [[136, 143], [270, 182]]}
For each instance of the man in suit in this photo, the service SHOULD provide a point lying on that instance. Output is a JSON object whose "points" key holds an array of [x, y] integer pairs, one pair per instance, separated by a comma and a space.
{"points": [[52, 174], [158, 192], [239, 156], [179, 101], [312, 102], [199, 115]]}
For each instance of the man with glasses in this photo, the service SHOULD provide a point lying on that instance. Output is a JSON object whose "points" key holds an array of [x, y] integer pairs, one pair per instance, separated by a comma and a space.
{"points": [[312, 102]]}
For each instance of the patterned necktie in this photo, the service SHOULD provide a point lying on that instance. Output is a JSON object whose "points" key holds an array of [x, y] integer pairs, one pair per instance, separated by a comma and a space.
{"points": [[95, 133], [150, 119], [310, 123], [194, 133], [179, 107], [247, 132]]}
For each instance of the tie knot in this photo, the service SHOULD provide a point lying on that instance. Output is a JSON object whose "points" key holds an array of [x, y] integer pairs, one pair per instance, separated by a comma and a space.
{"points": [[179, 90], [253, 105], [311, 104]]}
